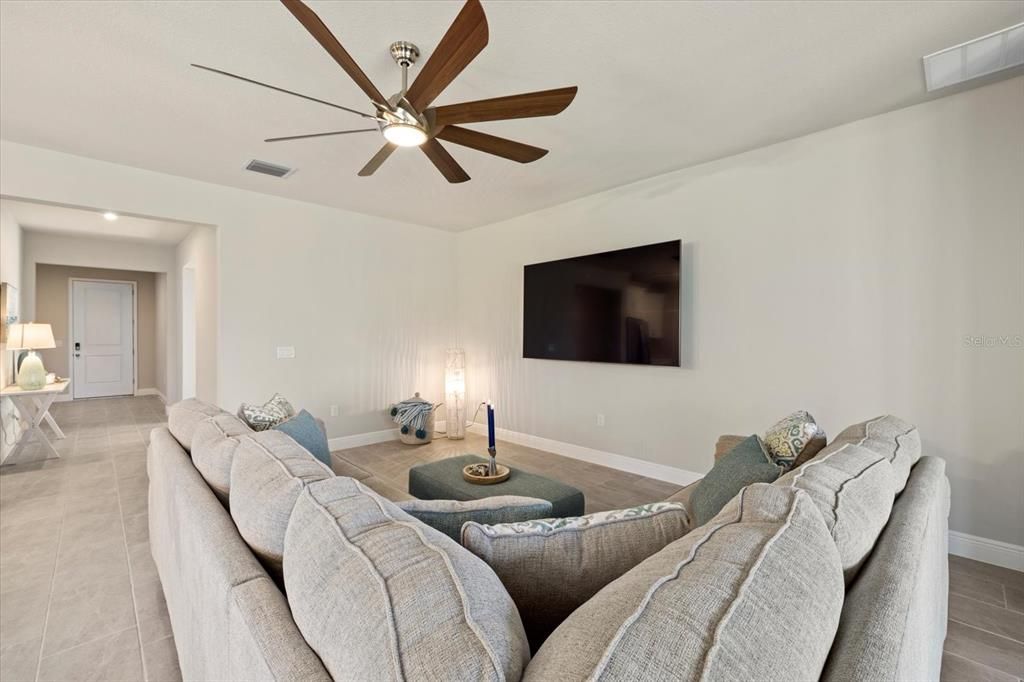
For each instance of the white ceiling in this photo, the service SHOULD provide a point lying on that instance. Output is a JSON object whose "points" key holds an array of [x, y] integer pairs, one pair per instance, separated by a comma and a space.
{"points": [[79, 222], [111, 80]]}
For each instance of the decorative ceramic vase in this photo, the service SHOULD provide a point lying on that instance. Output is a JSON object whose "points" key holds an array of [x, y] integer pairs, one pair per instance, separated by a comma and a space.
{"points": [[32, 374]]}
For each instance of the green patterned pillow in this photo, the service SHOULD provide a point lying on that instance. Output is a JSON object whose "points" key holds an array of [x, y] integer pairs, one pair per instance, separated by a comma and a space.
{"points": [[788, 439], [268, 415], [745, 464]]}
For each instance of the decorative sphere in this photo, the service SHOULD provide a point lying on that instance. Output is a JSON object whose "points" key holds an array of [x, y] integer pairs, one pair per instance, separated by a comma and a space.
{"points": [[405, 429], [421, 434], [394, 411]]}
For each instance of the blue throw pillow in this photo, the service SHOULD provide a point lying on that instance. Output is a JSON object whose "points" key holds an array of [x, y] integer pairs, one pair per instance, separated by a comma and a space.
{"points": [[745, 464], [304, 430]]}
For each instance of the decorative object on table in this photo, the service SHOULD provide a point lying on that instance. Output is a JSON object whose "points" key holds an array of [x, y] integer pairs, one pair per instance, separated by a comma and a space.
{"points": [[455, 393], [794, 439], [415, 417], [8, 308], [492, 469], [304, 430], [267, 415], [31, 337], [484, 474], [747, 463], [443, 480]]}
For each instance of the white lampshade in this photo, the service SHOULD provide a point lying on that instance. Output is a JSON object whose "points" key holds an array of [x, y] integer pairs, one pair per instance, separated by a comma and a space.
{"points": [[455, 392], [30, 336]]}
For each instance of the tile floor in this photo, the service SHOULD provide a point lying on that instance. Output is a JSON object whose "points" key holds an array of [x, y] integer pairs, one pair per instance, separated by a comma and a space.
{"points": [[80, 600], [79, 594]]}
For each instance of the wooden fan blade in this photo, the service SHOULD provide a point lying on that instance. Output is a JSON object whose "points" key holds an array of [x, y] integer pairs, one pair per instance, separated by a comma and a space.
{"points": [[378, 159], [440, 157], [323, 35], [463, 41], [527, 105], [335, 132], [491, 144], [287, 92]]}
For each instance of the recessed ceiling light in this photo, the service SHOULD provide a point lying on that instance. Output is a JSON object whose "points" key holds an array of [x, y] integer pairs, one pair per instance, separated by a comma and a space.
{"points": [[110, 216]]}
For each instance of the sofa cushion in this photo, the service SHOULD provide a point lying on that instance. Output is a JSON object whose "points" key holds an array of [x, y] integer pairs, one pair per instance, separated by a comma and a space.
{"points": [[794, 439], [379, 595], [448, 516], [745, 464], [183, 417], [853, 488], [726, 602], [551, 566], [213, 448], [305, 430], [898, 441], [267, 415], [268, 472]]}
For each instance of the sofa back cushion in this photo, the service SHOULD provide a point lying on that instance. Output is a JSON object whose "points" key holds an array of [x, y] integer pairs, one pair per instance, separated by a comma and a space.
{"points": [[183, 417], [552, 566], [896, 440], [379, 595], [268, 472], [853, 488], [715, 604], [213, 449]]}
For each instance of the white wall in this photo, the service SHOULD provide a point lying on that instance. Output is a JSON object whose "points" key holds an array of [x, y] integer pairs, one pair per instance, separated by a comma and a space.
{"points": [[10, 272], [198, 252], [355, 295], [839, 272]]}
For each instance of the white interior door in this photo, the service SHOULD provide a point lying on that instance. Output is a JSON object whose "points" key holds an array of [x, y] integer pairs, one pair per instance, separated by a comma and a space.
{"points": [[102, 338]]}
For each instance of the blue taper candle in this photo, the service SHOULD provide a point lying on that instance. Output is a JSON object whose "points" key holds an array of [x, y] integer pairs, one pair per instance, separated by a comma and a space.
{"points": [[490, 426]]}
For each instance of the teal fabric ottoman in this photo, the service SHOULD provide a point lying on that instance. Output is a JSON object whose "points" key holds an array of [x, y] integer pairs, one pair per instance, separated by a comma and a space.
{"points": [[442, 480]]}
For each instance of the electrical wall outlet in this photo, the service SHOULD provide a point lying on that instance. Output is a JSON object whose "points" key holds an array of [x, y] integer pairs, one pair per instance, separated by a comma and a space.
{"points": [[334, 411], [285, 352], [600, 420]]}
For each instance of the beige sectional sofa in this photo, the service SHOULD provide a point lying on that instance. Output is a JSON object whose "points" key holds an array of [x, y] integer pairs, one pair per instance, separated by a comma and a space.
{"points": [[275, 569]]}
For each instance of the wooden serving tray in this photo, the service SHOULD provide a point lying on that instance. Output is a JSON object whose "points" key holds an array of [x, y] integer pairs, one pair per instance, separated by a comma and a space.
{"points": [[503, 473]]}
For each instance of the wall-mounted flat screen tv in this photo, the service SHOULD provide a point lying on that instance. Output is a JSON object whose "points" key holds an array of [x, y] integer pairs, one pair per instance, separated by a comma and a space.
{"points": [[618, 306]]}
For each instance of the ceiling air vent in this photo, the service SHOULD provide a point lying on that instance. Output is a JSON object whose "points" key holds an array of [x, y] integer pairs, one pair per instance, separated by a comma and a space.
{"points": [[975, 58], [257, 166]]}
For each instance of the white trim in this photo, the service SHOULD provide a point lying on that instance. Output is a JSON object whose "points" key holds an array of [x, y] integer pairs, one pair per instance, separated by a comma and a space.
{"points": [[641, 467], [360, 439], [152, 391], [989, 551]]}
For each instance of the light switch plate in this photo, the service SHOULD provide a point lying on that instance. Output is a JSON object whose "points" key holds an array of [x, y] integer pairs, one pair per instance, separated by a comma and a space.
{"points": [[285, 352]]}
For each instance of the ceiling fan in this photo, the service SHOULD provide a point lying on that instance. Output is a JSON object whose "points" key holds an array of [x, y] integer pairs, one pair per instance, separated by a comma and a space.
{"points": [[406, 119]]}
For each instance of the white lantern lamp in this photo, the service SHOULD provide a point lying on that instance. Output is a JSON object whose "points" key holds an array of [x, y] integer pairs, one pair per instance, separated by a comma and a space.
{"points": [[455, 393], [31, 337]]}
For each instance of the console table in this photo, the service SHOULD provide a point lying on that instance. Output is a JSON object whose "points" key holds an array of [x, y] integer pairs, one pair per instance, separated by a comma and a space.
{"points": [[34, 407]]}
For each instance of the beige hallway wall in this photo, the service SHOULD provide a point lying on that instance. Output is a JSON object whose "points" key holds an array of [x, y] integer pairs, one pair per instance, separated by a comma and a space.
{"points": [[52, 307]]}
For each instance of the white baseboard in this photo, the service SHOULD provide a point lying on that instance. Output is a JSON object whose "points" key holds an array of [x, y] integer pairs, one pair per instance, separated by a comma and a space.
{"points": [[152, 391], [360, 439], [641, 467], [995, 552]]}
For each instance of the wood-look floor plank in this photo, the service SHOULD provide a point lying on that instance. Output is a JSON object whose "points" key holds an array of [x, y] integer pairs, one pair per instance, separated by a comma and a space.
{"points": [[1014, 599], [982, 647], [1006, 576], [994, 619], [977, 588], [959, 669]]}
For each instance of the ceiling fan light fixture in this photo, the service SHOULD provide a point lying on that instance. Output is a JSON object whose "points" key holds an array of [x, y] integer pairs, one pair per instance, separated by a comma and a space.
{"points": [[404, 134]]}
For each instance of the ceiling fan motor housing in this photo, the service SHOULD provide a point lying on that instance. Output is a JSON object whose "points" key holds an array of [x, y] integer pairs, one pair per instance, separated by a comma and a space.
{"points": [[404, 53]]}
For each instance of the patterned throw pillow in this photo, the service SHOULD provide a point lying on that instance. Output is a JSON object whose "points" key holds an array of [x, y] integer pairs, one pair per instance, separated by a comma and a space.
{"points": [[267, 415], [788, 440]]}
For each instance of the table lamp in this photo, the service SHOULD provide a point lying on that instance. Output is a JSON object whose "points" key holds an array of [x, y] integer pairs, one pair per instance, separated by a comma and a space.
{"points": [[30, 337]]}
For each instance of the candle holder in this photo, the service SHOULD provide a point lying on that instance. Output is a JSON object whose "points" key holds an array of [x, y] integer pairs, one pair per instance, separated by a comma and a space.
{"points": [[492, 465]]}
